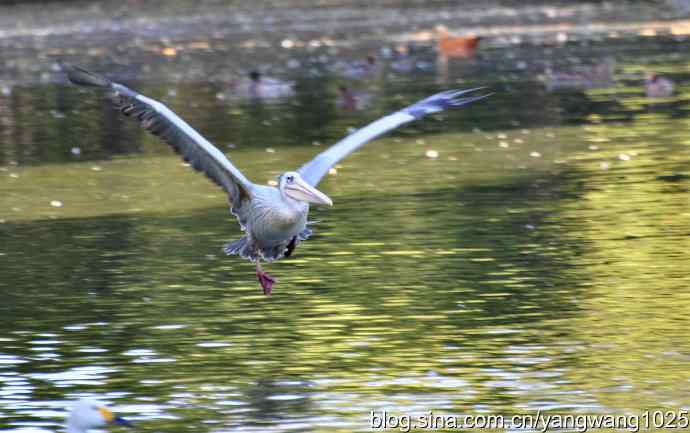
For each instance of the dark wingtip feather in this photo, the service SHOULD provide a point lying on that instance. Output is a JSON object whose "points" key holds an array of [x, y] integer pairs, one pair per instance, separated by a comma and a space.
{"points": [[442, 101], [83, 77]]}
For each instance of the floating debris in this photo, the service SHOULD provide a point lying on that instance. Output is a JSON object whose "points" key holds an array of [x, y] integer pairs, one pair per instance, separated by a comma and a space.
{"points": [[272, 182], [169, 52], [535, 154], [504, 144], [96, 168], [624, 157], [56, 203], [431, 154], [593, 147], [75, 151], [270, 150], [604, 165], [14, 175], [332, 171]]}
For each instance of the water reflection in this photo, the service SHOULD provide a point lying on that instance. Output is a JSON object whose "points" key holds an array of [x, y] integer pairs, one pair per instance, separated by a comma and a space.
{"points": [[535, 262]]}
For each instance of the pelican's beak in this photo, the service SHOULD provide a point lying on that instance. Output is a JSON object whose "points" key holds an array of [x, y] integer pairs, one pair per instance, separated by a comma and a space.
{"points": [[301, 190], [112, 419]]}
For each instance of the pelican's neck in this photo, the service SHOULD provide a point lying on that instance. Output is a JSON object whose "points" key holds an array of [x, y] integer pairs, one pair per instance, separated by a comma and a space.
{"points": [[294, 204], [290, 201]]}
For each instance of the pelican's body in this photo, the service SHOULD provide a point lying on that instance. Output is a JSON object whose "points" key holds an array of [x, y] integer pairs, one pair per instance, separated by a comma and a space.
{"points": [[274, 218], [272, 222]]}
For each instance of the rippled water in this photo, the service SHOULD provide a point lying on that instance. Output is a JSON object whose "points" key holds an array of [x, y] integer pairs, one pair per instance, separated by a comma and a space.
{"points": [[538, 263]]}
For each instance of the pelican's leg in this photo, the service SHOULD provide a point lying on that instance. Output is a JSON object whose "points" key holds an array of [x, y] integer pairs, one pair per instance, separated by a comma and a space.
{"points": [[266, 280]]}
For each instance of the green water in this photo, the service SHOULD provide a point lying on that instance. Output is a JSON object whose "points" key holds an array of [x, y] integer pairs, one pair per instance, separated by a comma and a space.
{"points": [[539, 263]]}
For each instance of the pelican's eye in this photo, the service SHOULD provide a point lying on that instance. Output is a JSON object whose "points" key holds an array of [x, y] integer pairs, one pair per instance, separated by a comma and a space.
{"points": [[290, 179]]}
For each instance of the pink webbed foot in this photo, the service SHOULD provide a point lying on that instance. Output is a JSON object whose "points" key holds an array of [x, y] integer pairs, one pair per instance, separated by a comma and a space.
{"points": [[266, 282]]}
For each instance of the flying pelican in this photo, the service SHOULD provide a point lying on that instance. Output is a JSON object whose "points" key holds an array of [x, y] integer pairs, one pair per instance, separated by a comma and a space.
{"points": [[89, 414], [274, 219]]}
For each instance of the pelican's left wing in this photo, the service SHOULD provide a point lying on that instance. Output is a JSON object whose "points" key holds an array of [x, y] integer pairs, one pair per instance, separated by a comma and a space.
{"points": [[316, 169], [160, 120]]}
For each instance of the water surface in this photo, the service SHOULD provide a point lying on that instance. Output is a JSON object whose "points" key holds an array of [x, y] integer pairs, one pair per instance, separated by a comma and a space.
{"points": [[539, 262]]}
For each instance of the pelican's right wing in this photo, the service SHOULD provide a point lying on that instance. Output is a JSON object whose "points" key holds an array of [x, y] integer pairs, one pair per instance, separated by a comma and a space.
{"points": [[316, 169], [160, 120]]}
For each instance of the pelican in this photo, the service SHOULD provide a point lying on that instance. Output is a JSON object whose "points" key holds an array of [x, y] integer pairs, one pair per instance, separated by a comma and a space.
{"points": [[89, 414], [274, 219]]}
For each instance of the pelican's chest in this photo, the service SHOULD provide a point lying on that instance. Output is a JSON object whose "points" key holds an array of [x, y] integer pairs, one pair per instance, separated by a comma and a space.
{"points": [[286, 216], [277, 219]]}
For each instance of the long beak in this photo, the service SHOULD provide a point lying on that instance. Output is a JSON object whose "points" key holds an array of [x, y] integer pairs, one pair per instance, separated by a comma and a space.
{"points": [[301, 190], [112, 419]]}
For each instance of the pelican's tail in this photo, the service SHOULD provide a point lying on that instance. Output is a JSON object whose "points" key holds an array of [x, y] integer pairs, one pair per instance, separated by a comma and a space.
{"points": [[240, 247], [83, 77]]}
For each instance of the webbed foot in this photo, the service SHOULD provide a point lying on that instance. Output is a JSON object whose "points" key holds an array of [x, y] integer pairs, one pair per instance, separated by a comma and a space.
{"points": [[266, 282]]}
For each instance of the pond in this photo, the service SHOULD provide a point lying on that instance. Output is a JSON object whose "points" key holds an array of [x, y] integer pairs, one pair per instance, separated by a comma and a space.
{"points": [[528, 252]]}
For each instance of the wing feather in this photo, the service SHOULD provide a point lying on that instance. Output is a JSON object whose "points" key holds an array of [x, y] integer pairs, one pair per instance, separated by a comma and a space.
{"points": [[158, 119], [316, 169]]}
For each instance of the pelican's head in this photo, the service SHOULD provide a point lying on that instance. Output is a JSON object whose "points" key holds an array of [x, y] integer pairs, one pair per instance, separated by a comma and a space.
{"points": [[292, 185], [89, 414]]}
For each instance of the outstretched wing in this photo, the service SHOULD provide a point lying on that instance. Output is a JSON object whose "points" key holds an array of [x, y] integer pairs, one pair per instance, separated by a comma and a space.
{"points": [[316, 169], [160, 120]]}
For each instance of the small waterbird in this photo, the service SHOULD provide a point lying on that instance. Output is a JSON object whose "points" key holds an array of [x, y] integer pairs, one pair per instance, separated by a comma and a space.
{"points": [[257, 86], [658, 87], [274, 219], [88, 414]]}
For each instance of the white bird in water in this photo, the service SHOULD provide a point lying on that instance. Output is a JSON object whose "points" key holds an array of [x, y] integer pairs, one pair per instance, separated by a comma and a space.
{"points": [[256, 86], [89, 414], [273, 218]]}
